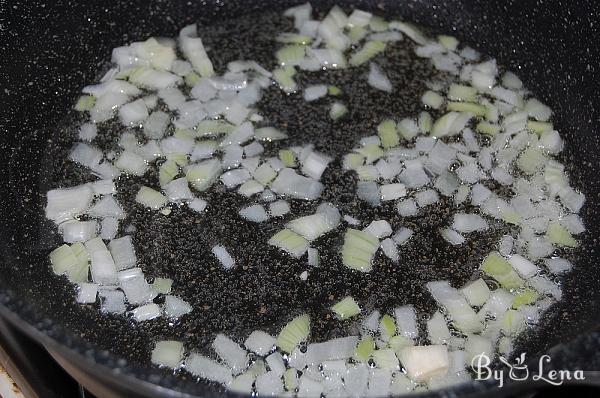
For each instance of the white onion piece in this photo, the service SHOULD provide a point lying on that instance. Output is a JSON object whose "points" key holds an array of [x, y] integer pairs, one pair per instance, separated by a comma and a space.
{"points": [[312, 93], [260, 343], [131, 163], [558, 265], [545, 286], [313, 257], [437, 329], [406, 321], [85, 155], [78, 231], [279, 208], [67, 203], [103, 187], [133, 113], [87, 132], [167, 353], [223, 256], [538, 110], [294, 185], [338, 348], [402, 236], [389, 248], [193, 49], [378, 79], [452, 236], [427, 197], [414, 175], [106, 207], [392, 191], [440, 158], [197, 204], [123, 252], [146, 312], [479, 194], [235, 177], [254, 213], [111, 301], [311, 227], [315, 164], [178, 190], [407, 208], [208, 369], [269, 384], [103, 268], [253, 149], [176, 307], [87, 293], [379, 228], [135, 287], [156, 124], [269, 134], [94, 245], [469, 223], [109, 228], [379, 382], [465, 319], [172, 97]]}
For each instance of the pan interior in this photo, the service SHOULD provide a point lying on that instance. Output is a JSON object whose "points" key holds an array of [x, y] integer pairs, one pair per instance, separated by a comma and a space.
{"points": [[266, 289]]}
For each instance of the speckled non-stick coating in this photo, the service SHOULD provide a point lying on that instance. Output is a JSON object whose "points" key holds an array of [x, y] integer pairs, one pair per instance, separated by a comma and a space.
{"points": [[58, 58]]}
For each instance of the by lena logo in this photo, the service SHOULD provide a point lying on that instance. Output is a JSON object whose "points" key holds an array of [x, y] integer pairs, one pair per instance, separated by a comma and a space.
{"points": [[519, 371]]}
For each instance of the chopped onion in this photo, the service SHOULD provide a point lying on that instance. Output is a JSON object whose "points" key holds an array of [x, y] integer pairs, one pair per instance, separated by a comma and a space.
{"points": [[379, 229], [87, 293], [167, 353], [202, 175], [78, 231], [135, 287], [146, 312], [150, 198], [103, 268], [359, 249], [231, 353], [369, 50], [313, 257], [208, 369], [64, 204], [312, 93], [295, 332], [291, 242], [407, 208], [452, 236], [477, 292], [111, 301], [402, 235], [346, 308], [461, 313], [425, 362], [279, 208], [378, 79], [406, 321], [176, 307], [437, 330], [193, 49], [178, 190], [254, 213], [223, 256], [260, 343], [500, 269], [469, 223]]}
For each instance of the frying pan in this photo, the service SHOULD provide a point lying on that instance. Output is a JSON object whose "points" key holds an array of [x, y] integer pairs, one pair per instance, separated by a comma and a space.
{"points": [[50, 50]]}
